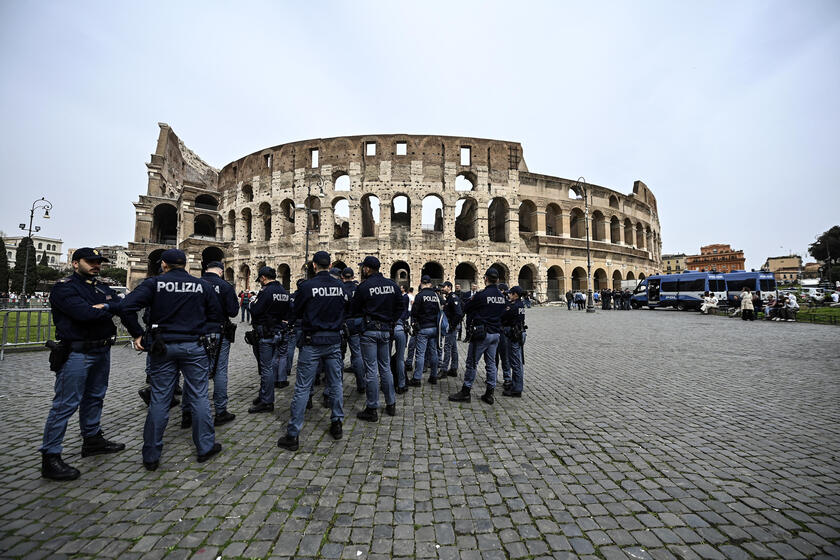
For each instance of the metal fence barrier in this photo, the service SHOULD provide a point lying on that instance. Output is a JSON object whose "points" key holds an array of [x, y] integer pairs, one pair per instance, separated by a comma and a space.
{"points": [[31, 328]]}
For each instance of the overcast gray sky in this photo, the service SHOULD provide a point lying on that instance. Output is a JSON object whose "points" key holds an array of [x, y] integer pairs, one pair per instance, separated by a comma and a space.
{"points": [[728, 111]]}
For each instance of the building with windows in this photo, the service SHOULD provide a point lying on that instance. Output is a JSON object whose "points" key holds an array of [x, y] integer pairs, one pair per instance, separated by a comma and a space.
{"points": [[788, 269], [718, 258], [48, 245], [116, 254], [444, 206], [673, 263]]}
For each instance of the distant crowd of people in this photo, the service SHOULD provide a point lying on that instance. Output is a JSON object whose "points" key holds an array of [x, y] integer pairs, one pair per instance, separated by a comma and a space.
{"points": [[607, 299]]}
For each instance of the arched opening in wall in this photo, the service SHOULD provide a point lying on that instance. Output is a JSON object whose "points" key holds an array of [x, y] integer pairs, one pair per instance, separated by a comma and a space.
{"points": [[230, 226], [641, 276], [628, 232], [648, 238], [244, 278], [630, 275], [153, 263], [342, 183], [247, 193], [599, 280], [615, 230], [287, 211], [211, 254], [466, 216], [527, 216], [575, 193], [556, 284], [613, 201], [401, 273], [578, 280], [504, 273], [165, 224], [640, 236], [206, 202], [497, 220], [369, 208], [553, 220], [434, 270], [616, 280], [577, 224], [598, 226], [313, 206], [464, 182], [204, 226], [341, 218], [432, 213], [265, 218], [340, 265], [284, 275], [465, 274], [400, 212], [526, 277], [229, 275], [246, 220]]}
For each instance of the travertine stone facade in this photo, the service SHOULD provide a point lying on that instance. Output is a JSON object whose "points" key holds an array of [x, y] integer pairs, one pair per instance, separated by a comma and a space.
{"points": [[450, 207]]}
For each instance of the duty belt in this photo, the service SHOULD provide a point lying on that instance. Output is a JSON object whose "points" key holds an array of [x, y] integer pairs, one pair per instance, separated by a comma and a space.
{"points": [[377, 326], [87, 345]]}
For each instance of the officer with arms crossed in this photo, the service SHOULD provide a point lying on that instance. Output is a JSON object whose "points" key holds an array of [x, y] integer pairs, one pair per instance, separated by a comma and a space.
{"points": [[219, 364], [454, 310], [320, 303], [181, 306], [268, 313], [425, 313], [377, 300], [513, 325], [484, 311], [82, 362]]}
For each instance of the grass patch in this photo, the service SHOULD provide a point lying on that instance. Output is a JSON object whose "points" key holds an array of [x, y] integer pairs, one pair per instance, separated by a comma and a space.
{"points": [[29, 327], [825, 315]]}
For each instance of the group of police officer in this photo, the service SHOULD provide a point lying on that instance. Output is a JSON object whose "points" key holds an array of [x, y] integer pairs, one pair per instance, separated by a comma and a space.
{"points": [[188, 332]]}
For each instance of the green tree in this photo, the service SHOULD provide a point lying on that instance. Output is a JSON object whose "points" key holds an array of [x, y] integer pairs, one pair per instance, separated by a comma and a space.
{"points": [[4, 268], [47, 273], [45, 261], [21, 263], [827, 249], [118, 275]]}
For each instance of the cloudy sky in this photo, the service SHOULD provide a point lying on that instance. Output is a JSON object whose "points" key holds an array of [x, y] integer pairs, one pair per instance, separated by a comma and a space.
{"points": [[728, 111]]}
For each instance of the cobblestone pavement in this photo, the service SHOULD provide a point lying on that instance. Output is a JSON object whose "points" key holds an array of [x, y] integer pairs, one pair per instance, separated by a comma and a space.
{"points": [[641, 434]]}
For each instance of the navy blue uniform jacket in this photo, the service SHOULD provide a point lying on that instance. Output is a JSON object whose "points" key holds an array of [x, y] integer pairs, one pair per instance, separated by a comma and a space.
{"points": [[271, 306], [226, 295], [377, 299], [486, 308], [426, 308], [319, 303], [75, 319], [454, 310], [514, 314], [181, 305]]}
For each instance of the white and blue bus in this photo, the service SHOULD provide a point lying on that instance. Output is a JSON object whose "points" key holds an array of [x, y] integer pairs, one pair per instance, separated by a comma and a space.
{"points": [[762, 282], [682, 291]]}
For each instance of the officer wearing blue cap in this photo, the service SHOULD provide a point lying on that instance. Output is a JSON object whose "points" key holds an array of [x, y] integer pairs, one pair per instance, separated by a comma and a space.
{"points": [[353, 325], [181, 307], [425, 312], [229, 304], [297, 331], [82, 362], [503, 351], [454, 310], [377, 300], [269, 317], [513, 325], [398, 366], [320, 304], [485, 311]]}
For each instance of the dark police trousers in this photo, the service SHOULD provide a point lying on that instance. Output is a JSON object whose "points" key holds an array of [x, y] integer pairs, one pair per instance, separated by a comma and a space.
{"points": [[376, 349], [308, 358]]}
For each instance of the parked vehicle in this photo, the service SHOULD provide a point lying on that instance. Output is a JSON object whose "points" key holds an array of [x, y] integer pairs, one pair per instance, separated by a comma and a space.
{"points": [[682, 291], [762, 282]]}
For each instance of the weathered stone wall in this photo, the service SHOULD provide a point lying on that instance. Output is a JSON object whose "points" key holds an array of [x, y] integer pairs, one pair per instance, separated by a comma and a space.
{"points": [[531, 226]]}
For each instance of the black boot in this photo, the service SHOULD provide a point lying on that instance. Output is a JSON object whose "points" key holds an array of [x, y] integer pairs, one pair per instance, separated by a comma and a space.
{"points": [[288, 442], [488, 396], [335, 429], [98, 445], [146, 395], [368, 415], [452, 373], [261, 407], [461, 396], [54, 468], [186, 419], [223, 418]]}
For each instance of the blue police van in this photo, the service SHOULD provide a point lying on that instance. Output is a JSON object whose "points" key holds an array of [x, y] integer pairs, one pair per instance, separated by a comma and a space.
{"points": [[762, 282], [682, 291]]}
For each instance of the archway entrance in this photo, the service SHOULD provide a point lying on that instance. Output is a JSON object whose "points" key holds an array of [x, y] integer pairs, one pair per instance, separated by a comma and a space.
{"points": [[401, 273], [465, 274], [617, 280], [284, 275], [526, 277], [434, 270], [578, 279], [556, 284], [503, 272], [211, 254]]}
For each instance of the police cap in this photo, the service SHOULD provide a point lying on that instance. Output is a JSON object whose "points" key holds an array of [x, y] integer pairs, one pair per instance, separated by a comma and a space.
{"points": [[370, 262], [214, 264], [503, 287], [174, 256], [515, 290], [268, 272], [89, 254], [492, 273], [321, 258], [335, 272], [448, 284], [348, 272], [425, 279]]}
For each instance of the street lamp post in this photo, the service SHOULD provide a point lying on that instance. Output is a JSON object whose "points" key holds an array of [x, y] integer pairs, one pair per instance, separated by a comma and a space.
{"points": [[38, 204], [308, 205], [590, 300]]}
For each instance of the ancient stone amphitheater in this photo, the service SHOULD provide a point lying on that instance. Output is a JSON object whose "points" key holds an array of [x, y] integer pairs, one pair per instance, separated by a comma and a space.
{"points": [[440, 205]]}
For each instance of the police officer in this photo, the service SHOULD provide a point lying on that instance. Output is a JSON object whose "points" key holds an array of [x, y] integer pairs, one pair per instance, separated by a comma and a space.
{"points": [[502, 358], [484, 310], [377, 300], [398, 364], [181, 307], [86, 335], [269, 312], [454, 310], [353, 324], [320, 303], [297, 331], [425, 313], [513, 325], [219, 366]]}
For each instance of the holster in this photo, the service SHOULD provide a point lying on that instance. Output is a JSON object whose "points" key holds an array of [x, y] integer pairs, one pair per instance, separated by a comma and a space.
{"points": [[211, 344], [229, 331], [153, 342], [251, 338], [479, 333], [59, 353]]}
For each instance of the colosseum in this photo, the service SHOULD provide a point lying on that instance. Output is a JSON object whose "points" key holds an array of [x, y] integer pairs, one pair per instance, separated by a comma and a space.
{"points": [[444, 206]]}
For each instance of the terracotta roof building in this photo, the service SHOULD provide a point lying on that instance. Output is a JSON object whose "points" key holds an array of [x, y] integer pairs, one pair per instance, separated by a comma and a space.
{"points": [[718, 257]]}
